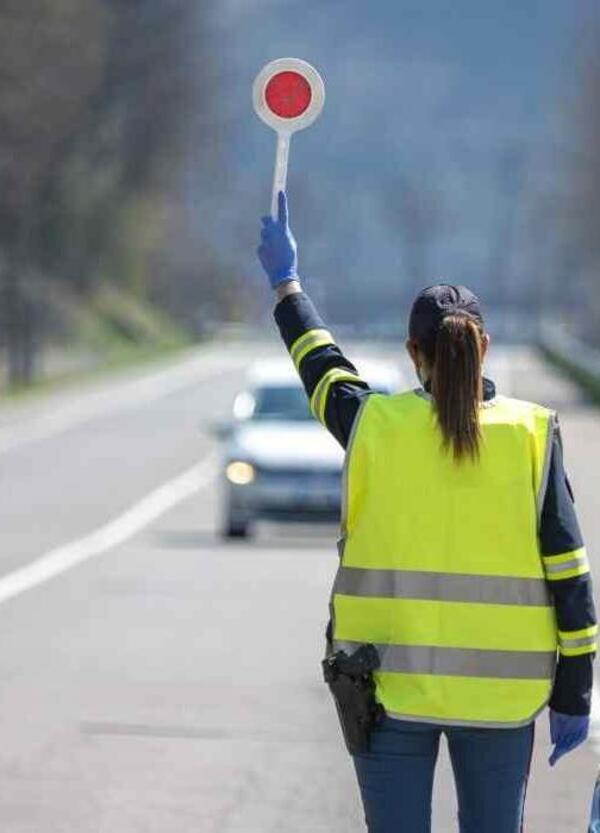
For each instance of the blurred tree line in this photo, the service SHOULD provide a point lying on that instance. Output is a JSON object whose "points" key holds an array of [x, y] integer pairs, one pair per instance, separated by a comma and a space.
{"points": [[569, 213], [101, 104]]}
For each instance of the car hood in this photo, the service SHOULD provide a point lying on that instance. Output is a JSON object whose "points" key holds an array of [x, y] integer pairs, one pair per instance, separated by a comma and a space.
{"points": [[286, 445]]}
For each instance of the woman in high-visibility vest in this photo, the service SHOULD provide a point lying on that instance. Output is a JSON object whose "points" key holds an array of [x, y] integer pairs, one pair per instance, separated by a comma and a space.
{"points": [[461, 559]]}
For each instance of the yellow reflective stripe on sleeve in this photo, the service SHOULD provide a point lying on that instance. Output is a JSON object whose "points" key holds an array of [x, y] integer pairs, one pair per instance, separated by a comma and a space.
{"points": [[563, 558], [577, 652], [566, 565], [580, 634], [307, 342], [574, 643], [318, 400]]}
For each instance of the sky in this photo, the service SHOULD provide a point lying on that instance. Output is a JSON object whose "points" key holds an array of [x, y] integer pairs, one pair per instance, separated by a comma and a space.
{"points": [[459, 105]]}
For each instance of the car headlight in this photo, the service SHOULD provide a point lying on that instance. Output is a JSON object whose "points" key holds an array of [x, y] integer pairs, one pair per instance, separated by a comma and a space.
{"points": [[240, 473]]}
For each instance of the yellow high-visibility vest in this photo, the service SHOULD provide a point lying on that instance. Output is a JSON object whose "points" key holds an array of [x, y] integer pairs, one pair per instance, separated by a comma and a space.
{"points": [[440, 566]]}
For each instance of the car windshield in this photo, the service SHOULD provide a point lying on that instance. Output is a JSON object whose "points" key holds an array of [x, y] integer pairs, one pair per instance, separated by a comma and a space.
{"points": [[281, 402]]}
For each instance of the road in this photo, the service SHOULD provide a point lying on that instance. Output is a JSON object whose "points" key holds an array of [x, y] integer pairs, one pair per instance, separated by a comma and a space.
{"points": [[157, 679]]}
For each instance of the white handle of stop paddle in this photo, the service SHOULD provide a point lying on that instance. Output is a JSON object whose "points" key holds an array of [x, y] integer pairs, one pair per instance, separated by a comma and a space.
{"points": [[281, 168]]}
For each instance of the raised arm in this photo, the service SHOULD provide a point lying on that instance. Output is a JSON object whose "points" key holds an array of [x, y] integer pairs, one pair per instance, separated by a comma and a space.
{"points": [[332, 383]]}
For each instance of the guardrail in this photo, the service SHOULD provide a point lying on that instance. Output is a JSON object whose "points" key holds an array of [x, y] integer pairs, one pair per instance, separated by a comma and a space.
{"points": [[572, 356]]}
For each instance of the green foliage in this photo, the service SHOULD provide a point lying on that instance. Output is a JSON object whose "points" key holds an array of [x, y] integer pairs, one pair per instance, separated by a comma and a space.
{"points": [[133, 323]]}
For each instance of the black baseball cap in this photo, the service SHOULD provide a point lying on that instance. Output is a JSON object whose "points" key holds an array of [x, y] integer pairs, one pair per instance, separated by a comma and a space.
{"points": [[434, 303]]}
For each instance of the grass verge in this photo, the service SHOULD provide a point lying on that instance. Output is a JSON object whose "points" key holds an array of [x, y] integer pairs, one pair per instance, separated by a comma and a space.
{"points": [[111, 332]]}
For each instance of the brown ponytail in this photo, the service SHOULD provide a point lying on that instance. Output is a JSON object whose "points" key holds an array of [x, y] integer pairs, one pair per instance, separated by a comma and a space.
{"points": [[457, 385]]}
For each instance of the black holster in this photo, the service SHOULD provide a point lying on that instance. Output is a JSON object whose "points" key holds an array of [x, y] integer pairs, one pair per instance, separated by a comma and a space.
{"points": [[350, 680]]}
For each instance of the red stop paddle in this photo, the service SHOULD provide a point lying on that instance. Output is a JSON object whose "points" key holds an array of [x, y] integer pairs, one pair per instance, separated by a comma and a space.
{"points": [[288, 95]]}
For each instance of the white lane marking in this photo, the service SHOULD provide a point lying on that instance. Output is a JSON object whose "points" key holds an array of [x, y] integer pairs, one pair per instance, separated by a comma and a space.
{"points": [[56, 419], [112, 534]]}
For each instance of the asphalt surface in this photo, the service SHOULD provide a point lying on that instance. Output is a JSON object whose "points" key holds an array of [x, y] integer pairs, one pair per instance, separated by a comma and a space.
{"points": [[156, 679]]}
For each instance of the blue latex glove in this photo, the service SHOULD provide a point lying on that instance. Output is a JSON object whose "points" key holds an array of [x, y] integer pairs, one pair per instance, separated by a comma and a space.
{"points": [[278, 251], [567, 731]]}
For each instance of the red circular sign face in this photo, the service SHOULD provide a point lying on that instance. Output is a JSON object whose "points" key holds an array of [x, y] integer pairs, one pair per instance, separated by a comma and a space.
{"points": [[288, 95]]}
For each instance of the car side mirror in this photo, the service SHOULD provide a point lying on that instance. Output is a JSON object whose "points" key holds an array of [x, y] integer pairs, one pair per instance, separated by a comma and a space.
{"points": [[221, 430]]}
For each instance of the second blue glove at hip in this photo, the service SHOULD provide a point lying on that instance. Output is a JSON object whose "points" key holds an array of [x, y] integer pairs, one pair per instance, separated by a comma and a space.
{"points": [[567, 731]]}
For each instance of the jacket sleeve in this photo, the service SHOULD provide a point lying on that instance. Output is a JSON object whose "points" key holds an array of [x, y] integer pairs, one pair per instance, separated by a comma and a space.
{"points": [[332, 383], [568, 575]]}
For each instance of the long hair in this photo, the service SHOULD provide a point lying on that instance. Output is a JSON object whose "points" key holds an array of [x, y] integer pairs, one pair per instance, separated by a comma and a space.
{"points": [[457, 383]]}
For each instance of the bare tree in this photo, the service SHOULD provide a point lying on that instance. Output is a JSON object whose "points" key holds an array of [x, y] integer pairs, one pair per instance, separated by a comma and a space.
{"points": [[51, 61], [98, 101]]}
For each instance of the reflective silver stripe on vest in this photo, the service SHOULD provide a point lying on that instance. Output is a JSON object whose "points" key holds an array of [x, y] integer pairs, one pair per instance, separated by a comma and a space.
{"points": [[446, 587], [461, 662]]}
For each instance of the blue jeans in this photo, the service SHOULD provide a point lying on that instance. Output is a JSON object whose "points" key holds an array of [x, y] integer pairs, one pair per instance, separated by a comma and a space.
{"points": [[491, 767]]}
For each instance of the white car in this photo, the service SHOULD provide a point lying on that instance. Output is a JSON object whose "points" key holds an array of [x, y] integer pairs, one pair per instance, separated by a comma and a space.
{"points": [[280, 463]]}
